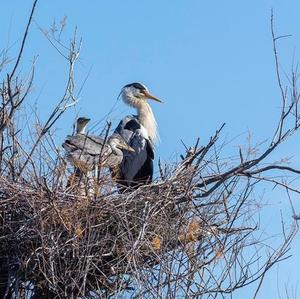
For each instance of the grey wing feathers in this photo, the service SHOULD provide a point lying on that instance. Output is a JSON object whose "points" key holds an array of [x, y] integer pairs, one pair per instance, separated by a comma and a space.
{"points": [[84, 151], [131, 130], [128, 127], [133, 161], [91, 144]]}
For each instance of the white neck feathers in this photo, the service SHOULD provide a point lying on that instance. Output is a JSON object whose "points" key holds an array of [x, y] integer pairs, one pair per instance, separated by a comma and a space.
{"points": [[145, 115], [147, 119], [80, 129]]}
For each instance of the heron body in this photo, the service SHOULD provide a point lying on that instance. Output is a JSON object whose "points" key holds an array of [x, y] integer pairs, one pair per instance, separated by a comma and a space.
{"points": [[137, 167], [87, 152], [140, 132]]}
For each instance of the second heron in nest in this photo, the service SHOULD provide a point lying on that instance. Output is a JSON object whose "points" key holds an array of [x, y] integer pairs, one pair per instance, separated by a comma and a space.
{"points": [[89, 152]]}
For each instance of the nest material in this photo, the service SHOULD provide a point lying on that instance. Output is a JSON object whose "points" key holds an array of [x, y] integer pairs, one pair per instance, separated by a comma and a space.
{"points": [[54, 235], [73, 245], [88, 240]]}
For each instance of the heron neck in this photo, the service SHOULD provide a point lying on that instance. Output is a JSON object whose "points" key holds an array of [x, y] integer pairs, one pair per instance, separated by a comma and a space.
{"points": [[147, 119], [115, 149], [145, 115], [80, 129]]}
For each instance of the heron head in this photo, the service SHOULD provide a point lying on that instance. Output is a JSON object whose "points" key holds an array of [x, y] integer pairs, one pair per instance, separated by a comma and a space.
{"points": [[137, 91], [118, 142], [81, 124]]}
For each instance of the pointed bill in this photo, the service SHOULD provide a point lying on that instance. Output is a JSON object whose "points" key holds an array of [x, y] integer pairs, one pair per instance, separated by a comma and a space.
{"points": [[127, 147], [150, 96]]}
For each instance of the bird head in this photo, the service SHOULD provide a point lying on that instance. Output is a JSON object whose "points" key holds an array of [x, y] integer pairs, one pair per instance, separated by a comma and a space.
{"points": [[81, 124], [133, 93], [117, 141]]}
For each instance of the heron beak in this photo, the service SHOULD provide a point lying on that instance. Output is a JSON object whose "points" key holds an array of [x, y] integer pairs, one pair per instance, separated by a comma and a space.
{"points": [[126, 147], [85, 120], [129, 148], [150, 96]]}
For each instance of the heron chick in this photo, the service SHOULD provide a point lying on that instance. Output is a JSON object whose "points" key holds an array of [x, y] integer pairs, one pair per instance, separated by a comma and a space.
{"points": [[88, 152], [81, 125]]}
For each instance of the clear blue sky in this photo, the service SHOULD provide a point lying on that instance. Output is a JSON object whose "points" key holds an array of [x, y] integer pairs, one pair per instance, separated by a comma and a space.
{"points": [[209, 61]]}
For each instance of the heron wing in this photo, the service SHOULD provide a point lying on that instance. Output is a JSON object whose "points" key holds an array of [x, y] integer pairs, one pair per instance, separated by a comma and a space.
{"points": [[87, 151], [82, 160], [136, 165], [90, 144]]}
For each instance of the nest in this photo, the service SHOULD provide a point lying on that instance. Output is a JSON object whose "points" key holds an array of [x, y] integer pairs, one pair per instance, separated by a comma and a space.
{"points": [[70, 243], [85, 239], [60, 244]]}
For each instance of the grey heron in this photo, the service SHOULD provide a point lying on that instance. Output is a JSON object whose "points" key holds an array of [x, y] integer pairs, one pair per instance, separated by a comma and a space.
{"points": [[87, 152], [140, 132]]}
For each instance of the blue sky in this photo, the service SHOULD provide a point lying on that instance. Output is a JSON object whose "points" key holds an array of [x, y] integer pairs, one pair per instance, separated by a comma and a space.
{"points": [[209, 61]]}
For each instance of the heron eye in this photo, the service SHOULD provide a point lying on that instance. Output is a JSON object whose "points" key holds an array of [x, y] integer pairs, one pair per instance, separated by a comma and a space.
{"points": [[140, 95]]}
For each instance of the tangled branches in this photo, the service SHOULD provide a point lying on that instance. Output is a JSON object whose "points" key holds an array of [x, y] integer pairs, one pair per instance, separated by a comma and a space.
{"points": [[175, 236]]}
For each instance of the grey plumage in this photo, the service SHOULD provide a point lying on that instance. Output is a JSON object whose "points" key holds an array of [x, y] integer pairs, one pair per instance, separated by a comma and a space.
{"points": [[140, 133], [137, 165], [87, 152]]}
